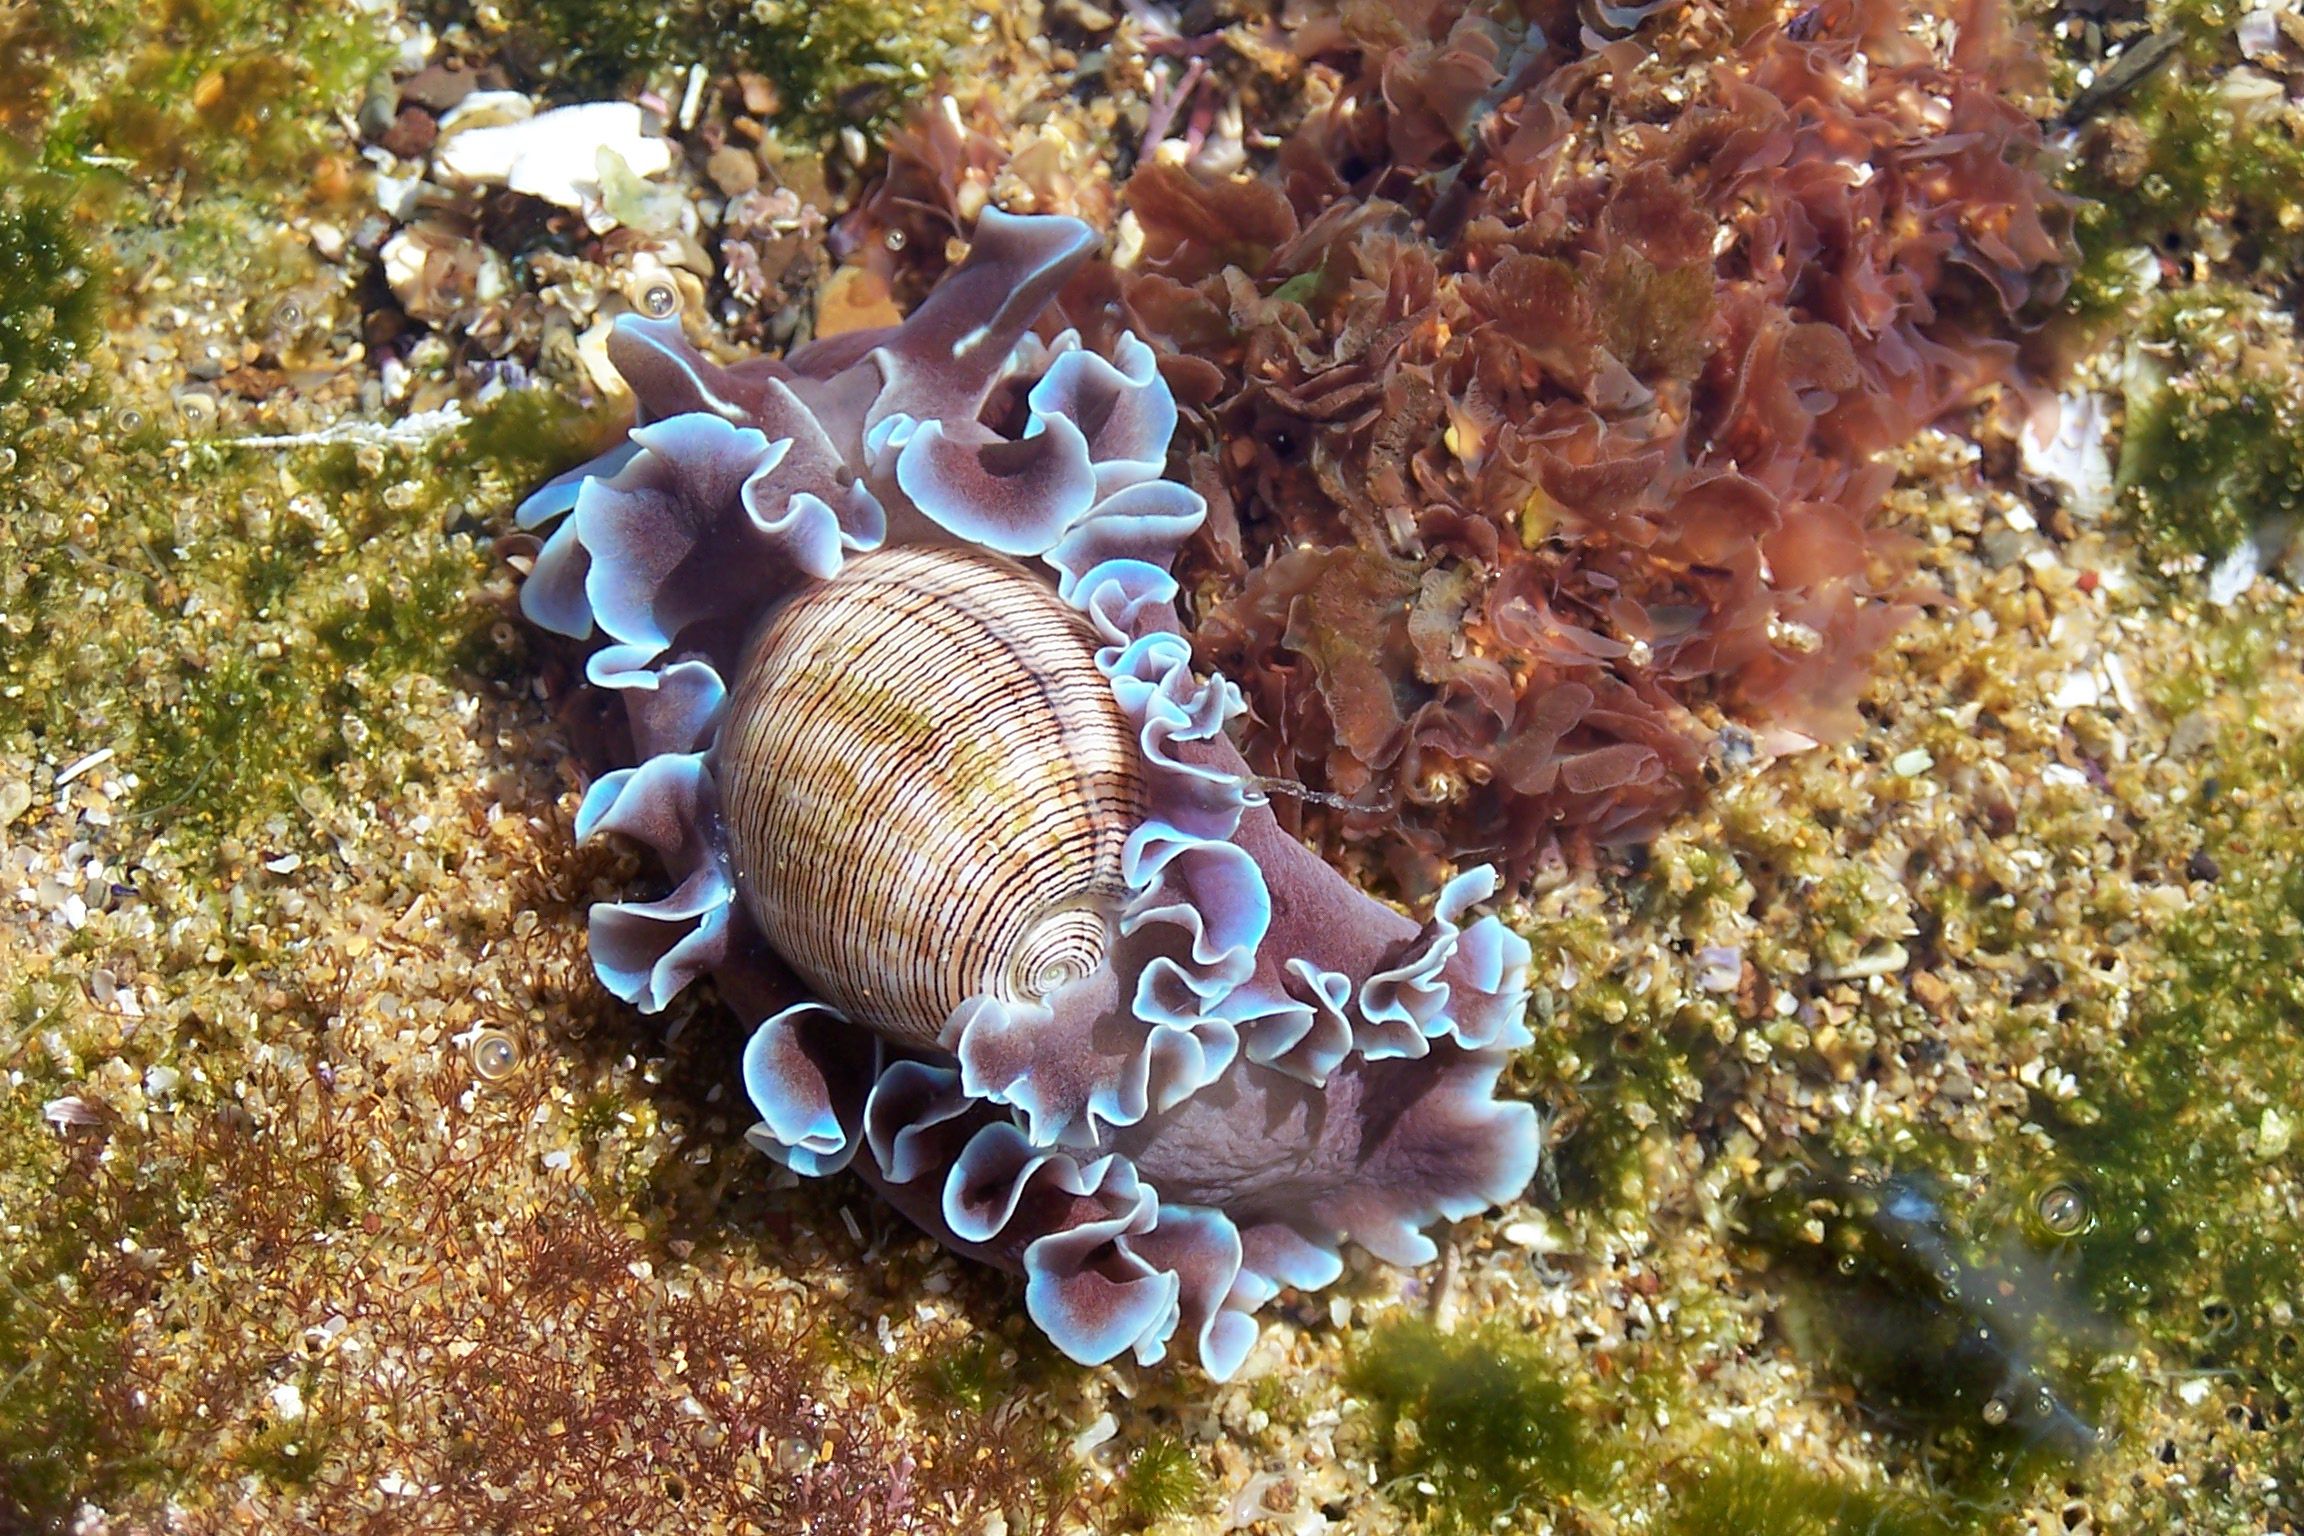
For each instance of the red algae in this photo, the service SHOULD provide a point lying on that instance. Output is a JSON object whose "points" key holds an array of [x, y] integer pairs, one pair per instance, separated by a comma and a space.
{"points": [[1539, 389]]}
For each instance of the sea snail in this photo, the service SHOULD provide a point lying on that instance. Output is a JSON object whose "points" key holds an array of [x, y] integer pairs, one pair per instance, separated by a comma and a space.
{"points": [[894, 629], [928, 788]]}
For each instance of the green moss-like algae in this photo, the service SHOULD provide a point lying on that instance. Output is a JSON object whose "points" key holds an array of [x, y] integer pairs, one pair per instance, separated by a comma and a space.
{"points": [[63, 1435], [1161, 1479], [2134, 1225], [2189, 156], [1477, 1426], [2181, 1119], [1742, 1494], [2213, 450], [233, 654], [241, 625], [227, 92], [1482, 1431], [856, 63], [49, 305]]}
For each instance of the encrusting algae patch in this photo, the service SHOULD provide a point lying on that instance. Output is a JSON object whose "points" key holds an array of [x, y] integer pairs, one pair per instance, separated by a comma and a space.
{"points": [[336, 1195]]}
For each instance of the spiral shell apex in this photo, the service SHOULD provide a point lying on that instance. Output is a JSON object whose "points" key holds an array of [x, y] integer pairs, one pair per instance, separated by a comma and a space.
{"points": [[929, 788]]}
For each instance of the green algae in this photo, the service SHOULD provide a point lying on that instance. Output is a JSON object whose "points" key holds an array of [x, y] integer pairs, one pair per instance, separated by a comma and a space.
{"points": [[2131, 1224], [226, 93], [49, 306], [2214, 445], [1161, 1479], [2238, 653], [525, 436], [320, 584], [1627, 1050], [2182, 156], [975, 1375], [2175, 1134], [1483, 1431], [2182, 1120], [1741, 1494], [853, 64], [1625, 1065], [1476, 1426]]}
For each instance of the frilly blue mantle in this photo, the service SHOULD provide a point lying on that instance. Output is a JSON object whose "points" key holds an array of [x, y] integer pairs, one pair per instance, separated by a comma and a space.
{"points": [[1270, 1063]]}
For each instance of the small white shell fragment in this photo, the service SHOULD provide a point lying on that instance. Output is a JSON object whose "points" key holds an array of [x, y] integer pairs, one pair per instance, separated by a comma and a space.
{"points": [[691, 99], [1719, 968], [395, 195], [2078, 690], [2235, 573], [555, 155], [2258, 35], [2275, 1132], [95, 759], [1103, 1429], [1912, 764], [1536, 1234], [15, 800], [487, 109], [2117, 673], [72, 1110], [287, 1402], [2065, 447], [1882, 960]]}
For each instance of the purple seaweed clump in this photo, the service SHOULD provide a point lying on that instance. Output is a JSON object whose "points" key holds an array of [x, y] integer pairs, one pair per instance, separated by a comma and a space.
{"points": [[1254, 1064]]}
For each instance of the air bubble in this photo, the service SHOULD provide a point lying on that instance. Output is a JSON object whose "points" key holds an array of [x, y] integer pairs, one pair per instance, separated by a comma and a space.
{"points": [[495, 1055], [660, 301], [2063, 1209], [196, 409], [1995, 1412]]}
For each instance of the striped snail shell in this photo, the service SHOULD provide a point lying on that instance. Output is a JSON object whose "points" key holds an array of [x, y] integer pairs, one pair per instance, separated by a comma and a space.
{"points": [[927, 787]]}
